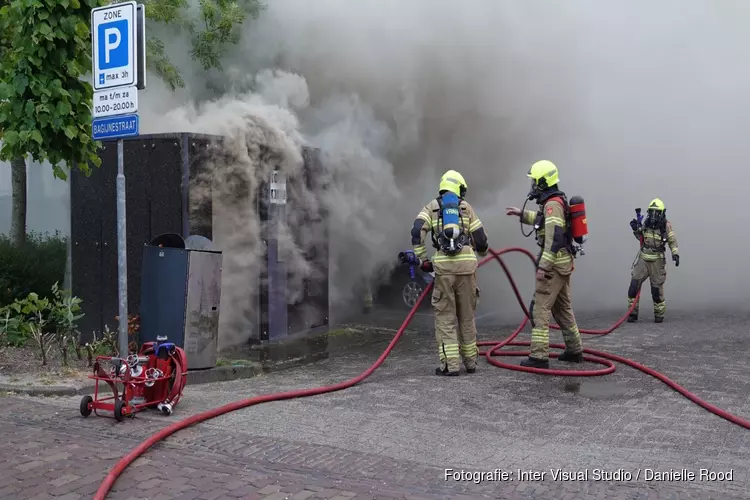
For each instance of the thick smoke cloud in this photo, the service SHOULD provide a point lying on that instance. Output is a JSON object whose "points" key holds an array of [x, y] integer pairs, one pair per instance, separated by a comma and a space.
{"points": [[633, 100]]}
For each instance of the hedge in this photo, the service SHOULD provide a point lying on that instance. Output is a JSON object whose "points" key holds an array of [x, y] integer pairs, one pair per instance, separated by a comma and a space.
{"points": [[32, 267]]}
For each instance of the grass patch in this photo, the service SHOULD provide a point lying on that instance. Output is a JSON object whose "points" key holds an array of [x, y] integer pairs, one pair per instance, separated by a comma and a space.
{"points": [[339, 331], [69, 372], [235, 362]]}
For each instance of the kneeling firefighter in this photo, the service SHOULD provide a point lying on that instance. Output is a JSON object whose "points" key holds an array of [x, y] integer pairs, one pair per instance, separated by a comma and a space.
{"points": [[552, 223], [456, 232], [654, 234]]}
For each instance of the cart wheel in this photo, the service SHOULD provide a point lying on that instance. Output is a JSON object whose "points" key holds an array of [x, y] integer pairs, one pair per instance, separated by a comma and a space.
{"points": [[85, 402], [118, 410]]}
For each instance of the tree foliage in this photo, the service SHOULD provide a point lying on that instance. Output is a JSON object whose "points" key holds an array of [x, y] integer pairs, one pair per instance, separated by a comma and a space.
{"points": [[45, 51], [216, 25], [45, 104]]}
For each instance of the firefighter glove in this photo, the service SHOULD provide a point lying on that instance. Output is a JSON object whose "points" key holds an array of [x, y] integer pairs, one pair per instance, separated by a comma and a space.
{"points": [[634, 225], [426, 266], [676, 259]]}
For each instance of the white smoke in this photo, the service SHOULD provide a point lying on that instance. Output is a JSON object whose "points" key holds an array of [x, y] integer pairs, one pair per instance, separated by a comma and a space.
{"points": [[632, 100]]}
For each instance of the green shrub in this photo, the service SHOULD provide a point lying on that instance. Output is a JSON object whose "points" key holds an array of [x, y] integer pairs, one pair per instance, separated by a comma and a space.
{"points": [[32, 267], [47, 321], [13, 331]]}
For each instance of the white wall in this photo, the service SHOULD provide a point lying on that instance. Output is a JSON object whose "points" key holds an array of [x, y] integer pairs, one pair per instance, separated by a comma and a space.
{"points": [[48, 199]]}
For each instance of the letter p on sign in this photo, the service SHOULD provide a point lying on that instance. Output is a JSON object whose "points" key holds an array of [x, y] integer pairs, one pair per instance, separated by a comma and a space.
{"points": [[113, 44]]}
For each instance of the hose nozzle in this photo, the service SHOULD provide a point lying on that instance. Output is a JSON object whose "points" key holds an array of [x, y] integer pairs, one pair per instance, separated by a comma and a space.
{"points": [[165, 408], [408, 257]]}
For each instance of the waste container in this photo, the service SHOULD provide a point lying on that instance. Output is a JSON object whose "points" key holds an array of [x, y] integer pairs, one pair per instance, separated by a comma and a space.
{"points": [[180, 293]]}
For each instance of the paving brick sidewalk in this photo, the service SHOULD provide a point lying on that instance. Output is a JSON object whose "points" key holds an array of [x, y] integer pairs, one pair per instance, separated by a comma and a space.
{"points": [[39, 462], [393, 436], [47, 455]]}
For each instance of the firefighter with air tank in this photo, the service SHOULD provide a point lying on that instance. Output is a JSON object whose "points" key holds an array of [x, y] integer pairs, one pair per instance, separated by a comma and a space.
{"points": [[654, 235], [560, 227], [456, 233]]}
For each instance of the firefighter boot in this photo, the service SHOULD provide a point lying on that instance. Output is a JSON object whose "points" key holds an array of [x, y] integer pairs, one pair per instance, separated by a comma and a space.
{"points": [[445, 372], [571, 358], [535, 363]]}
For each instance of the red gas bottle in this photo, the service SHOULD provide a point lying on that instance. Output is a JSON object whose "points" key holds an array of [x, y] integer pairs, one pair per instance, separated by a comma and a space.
{"points": [[579, 229]]}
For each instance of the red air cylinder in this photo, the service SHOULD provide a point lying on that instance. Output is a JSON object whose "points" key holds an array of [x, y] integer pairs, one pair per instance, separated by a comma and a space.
{"points": [[579, 229]]}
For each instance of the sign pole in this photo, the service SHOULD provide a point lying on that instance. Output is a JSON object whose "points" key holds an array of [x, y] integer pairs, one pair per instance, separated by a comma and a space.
{"points": [[118, 45], [122, 254]]}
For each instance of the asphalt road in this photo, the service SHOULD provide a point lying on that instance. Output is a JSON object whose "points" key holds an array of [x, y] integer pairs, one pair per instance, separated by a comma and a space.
{"points": [[395, 435]]}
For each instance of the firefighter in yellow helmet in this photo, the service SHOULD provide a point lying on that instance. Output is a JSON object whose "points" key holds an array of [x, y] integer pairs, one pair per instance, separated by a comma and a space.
{"points": [[554, 267], [367, 299], [456, 234], [654, 234]]}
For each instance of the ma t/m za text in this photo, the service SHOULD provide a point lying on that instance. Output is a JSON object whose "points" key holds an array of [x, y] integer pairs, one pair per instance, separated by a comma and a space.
{"points": [[113, 95], [645, 474]]}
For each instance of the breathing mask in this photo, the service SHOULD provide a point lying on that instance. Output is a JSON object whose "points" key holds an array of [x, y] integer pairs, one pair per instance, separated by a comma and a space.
{"points": [[655, 218]]}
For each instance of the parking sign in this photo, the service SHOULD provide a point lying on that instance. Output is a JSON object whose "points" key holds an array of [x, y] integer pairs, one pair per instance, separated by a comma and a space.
{"points": [[114, 44]]}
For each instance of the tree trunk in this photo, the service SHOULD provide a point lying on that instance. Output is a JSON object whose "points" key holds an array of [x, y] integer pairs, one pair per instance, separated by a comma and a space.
{"points": [[18, 217], [68, 276]]}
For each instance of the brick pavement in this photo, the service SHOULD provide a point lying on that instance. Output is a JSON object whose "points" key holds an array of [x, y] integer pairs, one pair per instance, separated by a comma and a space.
{"points": [[40, 460], [393, 436]]}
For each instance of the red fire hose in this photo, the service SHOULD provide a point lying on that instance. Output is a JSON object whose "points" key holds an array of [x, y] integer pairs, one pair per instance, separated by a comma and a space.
{"points": [[598, 357]]}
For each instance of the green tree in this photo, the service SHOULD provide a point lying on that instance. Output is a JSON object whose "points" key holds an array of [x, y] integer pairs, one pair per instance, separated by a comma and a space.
{"points": [[216, 26], [45, 53], [44, 102]]}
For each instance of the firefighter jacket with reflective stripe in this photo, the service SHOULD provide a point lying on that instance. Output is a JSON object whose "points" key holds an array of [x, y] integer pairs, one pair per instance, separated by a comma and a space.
{"points": [[654, 242], [552, 236], [464, 262]]}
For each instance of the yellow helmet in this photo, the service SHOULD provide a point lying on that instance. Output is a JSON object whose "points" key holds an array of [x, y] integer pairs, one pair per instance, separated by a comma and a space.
{"points": [[454, 182], [543, 174], [657, 214], [656, 204]]}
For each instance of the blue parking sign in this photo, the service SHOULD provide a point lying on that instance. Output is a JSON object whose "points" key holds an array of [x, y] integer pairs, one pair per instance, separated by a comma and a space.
{"points": [[114, 44]]}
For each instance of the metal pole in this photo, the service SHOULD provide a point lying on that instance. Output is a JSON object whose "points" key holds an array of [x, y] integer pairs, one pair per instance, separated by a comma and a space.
{"points": [[122, 262]]}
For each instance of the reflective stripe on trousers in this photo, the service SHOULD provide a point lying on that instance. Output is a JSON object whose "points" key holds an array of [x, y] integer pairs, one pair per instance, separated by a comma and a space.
{"points": [[448, 351], [469, 350]]}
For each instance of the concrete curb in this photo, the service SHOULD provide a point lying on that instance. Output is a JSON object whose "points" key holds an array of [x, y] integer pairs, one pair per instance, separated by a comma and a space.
{"points": [[196, 377], [47, 390], [223, 374]]}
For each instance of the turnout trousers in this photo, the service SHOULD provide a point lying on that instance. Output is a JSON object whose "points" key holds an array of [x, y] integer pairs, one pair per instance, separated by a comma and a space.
{"points": [[455, 297], [656, 272], [553, 296]]}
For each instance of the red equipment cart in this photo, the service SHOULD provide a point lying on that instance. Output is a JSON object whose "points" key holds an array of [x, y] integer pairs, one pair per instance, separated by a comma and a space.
{"points": [[153, 378]]}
